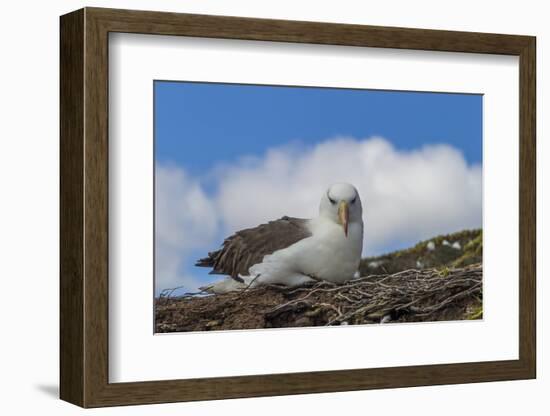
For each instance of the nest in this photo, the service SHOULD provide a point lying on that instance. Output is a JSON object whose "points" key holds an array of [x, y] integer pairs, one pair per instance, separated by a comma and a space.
{"points": [[407, 296]]}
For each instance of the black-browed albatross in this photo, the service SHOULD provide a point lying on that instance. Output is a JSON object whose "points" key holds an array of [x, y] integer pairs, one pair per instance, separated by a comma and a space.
{"points": [[293, 251]]}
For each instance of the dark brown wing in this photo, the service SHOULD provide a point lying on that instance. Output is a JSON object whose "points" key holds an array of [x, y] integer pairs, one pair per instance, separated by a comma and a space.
{"points": [[248, 247]]}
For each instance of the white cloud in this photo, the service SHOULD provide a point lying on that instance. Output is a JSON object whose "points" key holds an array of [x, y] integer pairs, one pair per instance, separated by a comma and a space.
{"points": [[407, 196], [185, 220]]}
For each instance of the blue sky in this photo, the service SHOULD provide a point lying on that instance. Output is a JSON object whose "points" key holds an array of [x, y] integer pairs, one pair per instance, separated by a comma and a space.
{"points": [[204, 131], [199, 124]]}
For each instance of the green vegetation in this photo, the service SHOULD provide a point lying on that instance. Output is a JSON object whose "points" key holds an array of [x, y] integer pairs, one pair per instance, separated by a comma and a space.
{"points": [[473, 252], [477, 312], [442, 252]]}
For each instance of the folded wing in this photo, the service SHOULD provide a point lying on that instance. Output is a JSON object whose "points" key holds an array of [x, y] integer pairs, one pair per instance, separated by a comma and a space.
{"points": [[247, 247]]}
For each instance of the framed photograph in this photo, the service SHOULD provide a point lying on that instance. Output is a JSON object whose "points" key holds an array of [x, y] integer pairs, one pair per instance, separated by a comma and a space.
{"points": [[254, 207]]}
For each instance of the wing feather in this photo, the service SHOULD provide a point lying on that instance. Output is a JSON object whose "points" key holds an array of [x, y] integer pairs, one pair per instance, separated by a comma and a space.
{"points": [[247, 247]]}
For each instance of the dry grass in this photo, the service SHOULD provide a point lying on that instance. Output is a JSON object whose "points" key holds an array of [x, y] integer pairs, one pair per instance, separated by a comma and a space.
{"points": [[407, 296]]}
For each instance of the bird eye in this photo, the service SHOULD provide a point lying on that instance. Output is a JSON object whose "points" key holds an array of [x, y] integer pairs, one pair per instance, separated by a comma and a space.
{"points": [[332, 201], [353, 200]]}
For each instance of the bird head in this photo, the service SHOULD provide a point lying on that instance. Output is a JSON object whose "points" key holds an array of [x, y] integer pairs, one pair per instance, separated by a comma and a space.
{"points": [[341, 204]]}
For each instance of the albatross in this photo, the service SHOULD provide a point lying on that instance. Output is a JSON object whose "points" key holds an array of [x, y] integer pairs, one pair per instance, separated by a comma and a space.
{"points": [[294, 251]]}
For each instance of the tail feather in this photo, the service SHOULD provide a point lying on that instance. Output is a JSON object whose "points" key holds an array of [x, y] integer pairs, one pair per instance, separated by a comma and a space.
{"points": [[208, 261], [205, 262]]}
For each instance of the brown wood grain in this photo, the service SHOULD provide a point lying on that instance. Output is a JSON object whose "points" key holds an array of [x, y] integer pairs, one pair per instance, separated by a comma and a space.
{"points": [[527, 208], [71, 208], [84, 207]]}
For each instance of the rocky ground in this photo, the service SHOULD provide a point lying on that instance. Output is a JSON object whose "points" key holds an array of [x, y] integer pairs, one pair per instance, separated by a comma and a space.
{"points": [[437, 279]]}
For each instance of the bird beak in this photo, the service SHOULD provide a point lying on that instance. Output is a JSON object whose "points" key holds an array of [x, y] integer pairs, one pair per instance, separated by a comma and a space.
{"points": [[343, 215]]}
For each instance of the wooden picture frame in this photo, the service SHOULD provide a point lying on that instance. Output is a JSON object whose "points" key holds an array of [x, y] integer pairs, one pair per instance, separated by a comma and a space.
{"points": [[84, 207]]}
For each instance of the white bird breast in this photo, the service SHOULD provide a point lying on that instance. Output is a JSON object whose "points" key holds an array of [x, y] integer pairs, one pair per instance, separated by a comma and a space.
{"points": [[328, 255]]}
